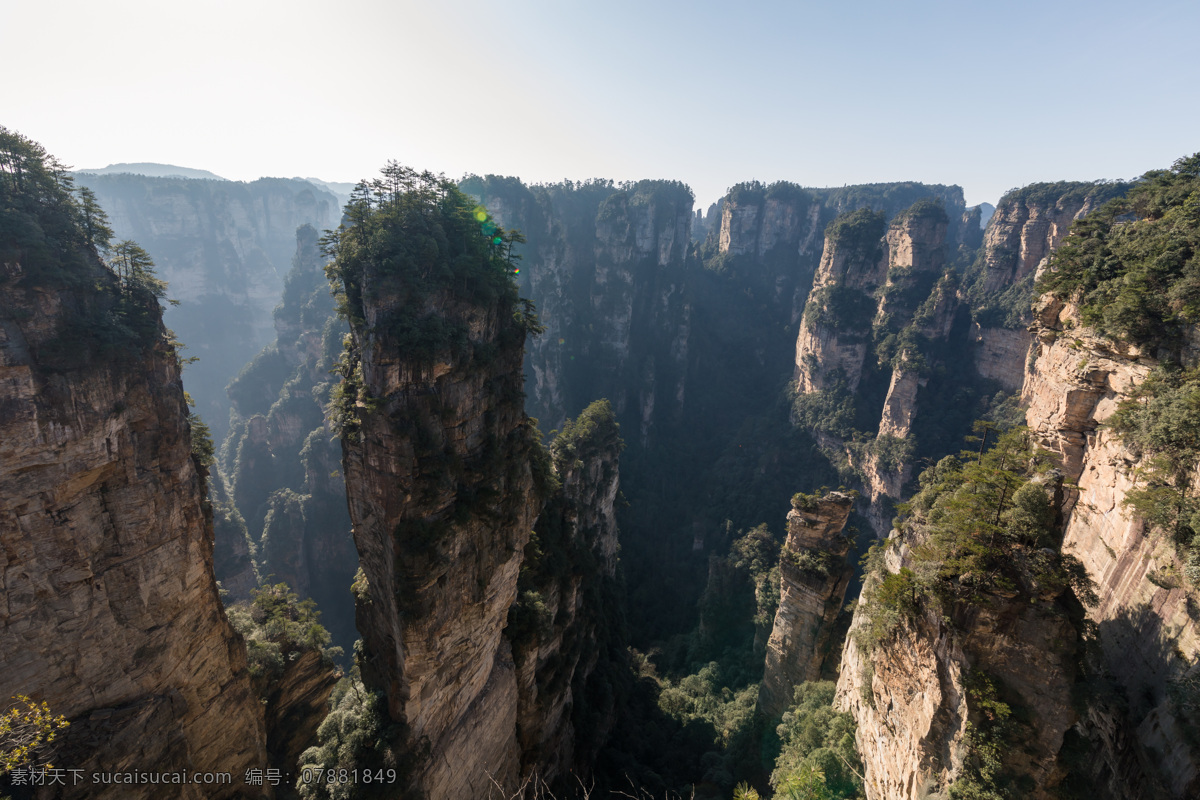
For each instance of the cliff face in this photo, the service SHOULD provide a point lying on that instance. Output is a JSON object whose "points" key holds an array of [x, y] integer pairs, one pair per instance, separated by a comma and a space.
{"points": [[961, 661], [774, 234], [1025, 229], [564, 631], [224, 249], [913, 702], [295, 706], [692, 348], [438, 458], [1147, 628], [814, 575], [831, 348], [111, 612], [441, 588], [883, 316], [605, 267]]}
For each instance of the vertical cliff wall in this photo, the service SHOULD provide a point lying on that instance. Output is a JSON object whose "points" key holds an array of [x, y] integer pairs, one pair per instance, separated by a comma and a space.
{"points": [[1110, 717], [438, 457], [832, 346], [693, 349], [566, 625], [1028, 224], [111, 613], [961, 659], [814, 575], [604, 265], [1146, 617], [879, 346]]}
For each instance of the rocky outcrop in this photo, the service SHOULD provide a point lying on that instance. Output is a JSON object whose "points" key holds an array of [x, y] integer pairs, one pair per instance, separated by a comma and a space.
{"points": [[814, 575], [773, 235], [438, 458], [1147, 628], [914, 702], [1030, 223], [1027, 226], [563, 628], [224, 248], [832, 345], [111, 613], [881, 317], [295, 705], [1000, 355]]}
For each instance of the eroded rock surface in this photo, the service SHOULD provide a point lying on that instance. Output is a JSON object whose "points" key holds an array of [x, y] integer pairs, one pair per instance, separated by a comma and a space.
{"points": [[810, 599], [111, 613]]}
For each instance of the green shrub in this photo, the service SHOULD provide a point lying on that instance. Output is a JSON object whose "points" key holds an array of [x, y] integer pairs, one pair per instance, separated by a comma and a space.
{"points": [[818, 757], [277, 625]]}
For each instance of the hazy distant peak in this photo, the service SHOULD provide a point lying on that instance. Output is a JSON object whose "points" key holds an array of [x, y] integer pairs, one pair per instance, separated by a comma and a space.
{"points": [[985, 213], [336, 187], [152, 170]]}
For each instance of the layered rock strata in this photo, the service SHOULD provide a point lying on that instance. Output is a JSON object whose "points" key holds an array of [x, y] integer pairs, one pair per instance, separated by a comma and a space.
{"points": [[1147, 631], [814, 575], [912, 702], [111, 612], [564, 713], [438, 466]]}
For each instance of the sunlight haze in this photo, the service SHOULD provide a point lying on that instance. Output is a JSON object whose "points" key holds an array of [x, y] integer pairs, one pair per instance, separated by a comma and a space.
{"points": [[988, 96]]}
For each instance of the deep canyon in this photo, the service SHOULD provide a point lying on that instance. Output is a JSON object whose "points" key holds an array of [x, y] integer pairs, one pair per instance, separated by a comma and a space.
{"points": [[853, 492]]}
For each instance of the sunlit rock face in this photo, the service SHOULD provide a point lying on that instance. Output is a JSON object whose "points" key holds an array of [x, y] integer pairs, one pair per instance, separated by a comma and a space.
{"points": [[111, 613], [809, 600], [1147, 630], [910, 698], [1026, 227]]}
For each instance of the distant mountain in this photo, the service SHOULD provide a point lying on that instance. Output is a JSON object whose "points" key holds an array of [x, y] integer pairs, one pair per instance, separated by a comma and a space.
{"points": [[341, 189], [985, 213], [155, 171]]}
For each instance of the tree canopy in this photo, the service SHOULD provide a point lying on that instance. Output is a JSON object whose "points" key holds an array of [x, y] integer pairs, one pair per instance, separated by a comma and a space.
{"points": [[1133, 263]]}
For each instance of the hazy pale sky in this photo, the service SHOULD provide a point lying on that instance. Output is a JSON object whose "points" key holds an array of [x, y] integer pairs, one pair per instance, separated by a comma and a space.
{"points": [[988, 95]]}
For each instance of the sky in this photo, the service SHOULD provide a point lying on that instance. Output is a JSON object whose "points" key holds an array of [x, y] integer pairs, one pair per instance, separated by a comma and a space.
{"points": [[986, 95]]}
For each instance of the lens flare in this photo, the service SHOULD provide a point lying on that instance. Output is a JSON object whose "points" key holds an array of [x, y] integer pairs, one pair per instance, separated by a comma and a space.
{"points": [[480, 213]]}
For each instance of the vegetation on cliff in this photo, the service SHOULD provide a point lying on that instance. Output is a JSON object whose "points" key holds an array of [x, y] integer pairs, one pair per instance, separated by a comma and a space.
{"points": [[1133, 267], [24, 728], [817, 756], [54, 235], [1133, 264], [421, 235], [1160, 421], [277, 626], [982, 523]]}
